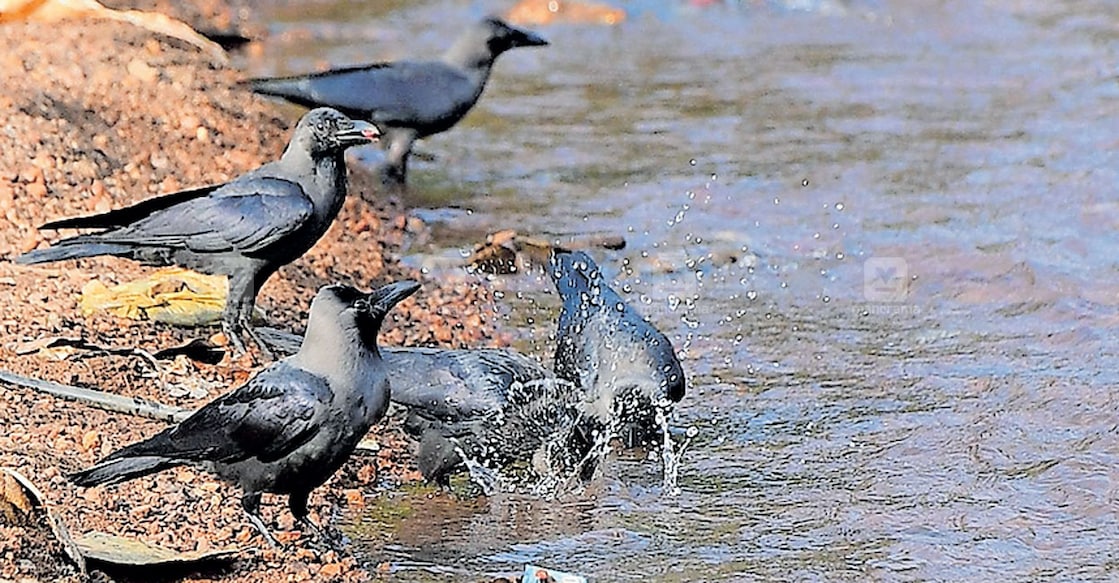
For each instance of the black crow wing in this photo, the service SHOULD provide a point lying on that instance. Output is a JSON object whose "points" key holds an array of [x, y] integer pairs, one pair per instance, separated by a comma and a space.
{"points": [[246, 216], [124, 216], [267, 418], [406, 93]]}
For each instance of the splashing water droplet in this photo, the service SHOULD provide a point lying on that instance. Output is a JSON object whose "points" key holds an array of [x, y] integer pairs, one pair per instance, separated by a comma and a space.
{"points": [[670, 456], [691, 162], [804, 182], [839, 206], [752, 295], [673, 302], [489, 480]]}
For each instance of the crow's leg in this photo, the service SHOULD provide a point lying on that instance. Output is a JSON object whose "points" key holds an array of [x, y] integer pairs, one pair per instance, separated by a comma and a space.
{"points": [[297, 502], [398, 147], [238, 313], [251, 503]]}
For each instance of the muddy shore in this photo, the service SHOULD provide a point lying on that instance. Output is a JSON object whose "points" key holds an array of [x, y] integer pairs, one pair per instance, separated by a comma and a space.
{"points": [[99, 115]]}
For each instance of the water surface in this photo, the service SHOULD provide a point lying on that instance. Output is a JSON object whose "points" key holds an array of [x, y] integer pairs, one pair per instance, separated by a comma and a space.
{"points": [[955, 420]]}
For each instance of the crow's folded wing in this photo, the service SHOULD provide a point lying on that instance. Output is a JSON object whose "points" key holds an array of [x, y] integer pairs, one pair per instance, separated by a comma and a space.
{"points": [[246, 216], [267, 418]]}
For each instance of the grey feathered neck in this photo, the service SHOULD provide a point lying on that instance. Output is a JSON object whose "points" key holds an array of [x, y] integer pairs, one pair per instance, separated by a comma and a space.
{"points": [[471, 51]]}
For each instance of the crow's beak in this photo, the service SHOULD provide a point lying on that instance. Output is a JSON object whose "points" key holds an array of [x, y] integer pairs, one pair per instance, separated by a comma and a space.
{"points": [[384, 298], [519, 37], [362, 132]]}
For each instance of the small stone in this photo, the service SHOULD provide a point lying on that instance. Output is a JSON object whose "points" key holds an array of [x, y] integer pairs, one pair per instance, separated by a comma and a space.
{"points": [[189, 123], [7, 196], [354, 498], [30, 242], [90, 440], [31, 174], [142, 71], [158, 160]]}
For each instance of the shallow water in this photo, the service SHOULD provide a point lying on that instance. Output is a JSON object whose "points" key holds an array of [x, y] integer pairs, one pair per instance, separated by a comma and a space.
{"points": [[951, 416]]}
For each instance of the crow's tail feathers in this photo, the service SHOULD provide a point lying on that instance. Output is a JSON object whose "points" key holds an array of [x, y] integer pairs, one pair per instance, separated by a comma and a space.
{"points": [[121, 470], [75, 248], [277, 86]]}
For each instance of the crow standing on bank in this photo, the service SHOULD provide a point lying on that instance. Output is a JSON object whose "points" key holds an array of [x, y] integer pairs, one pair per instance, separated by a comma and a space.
{"points": [[408, 100], [292, 425], [245, 229], [624, 366]]}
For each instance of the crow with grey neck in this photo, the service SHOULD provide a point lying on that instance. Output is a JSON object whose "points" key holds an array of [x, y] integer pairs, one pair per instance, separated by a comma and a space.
{"points": [[291, 426], [624, 366], [245, 229], [408, 100]]}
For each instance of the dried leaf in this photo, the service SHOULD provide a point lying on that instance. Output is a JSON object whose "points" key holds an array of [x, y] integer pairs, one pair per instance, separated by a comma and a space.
{"points": [[21, 501], [118, 550], [173, 296]]}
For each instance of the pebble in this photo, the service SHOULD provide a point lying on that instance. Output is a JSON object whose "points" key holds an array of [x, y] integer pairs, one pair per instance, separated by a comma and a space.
{"points": [[142, 71], [189, 123], [91, 439], [31, 174]]}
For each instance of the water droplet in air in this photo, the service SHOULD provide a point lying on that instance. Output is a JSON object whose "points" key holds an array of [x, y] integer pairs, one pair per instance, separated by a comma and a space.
{"points": [[838, 206], [752, 295], [804, 182], [691, 162]]}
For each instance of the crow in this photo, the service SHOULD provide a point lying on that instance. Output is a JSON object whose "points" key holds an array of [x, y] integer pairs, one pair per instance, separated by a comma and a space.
{"points": [[245, 229], [407, 100], [291, 426], [625, 367]]}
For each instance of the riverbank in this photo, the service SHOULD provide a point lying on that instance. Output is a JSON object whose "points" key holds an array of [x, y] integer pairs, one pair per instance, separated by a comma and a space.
{"points": [[99, 115]]}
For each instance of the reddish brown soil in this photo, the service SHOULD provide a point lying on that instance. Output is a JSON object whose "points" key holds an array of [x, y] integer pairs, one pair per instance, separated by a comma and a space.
{"points": [[98, 115]]}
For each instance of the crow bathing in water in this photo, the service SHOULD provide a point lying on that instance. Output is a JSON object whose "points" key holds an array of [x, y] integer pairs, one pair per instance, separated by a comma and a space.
{"points": [[624, 366]]}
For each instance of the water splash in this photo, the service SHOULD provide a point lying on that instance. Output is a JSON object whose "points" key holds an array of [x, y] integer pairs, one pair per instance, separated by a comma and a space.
{"points": [[489, 480], [670, 456]]}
